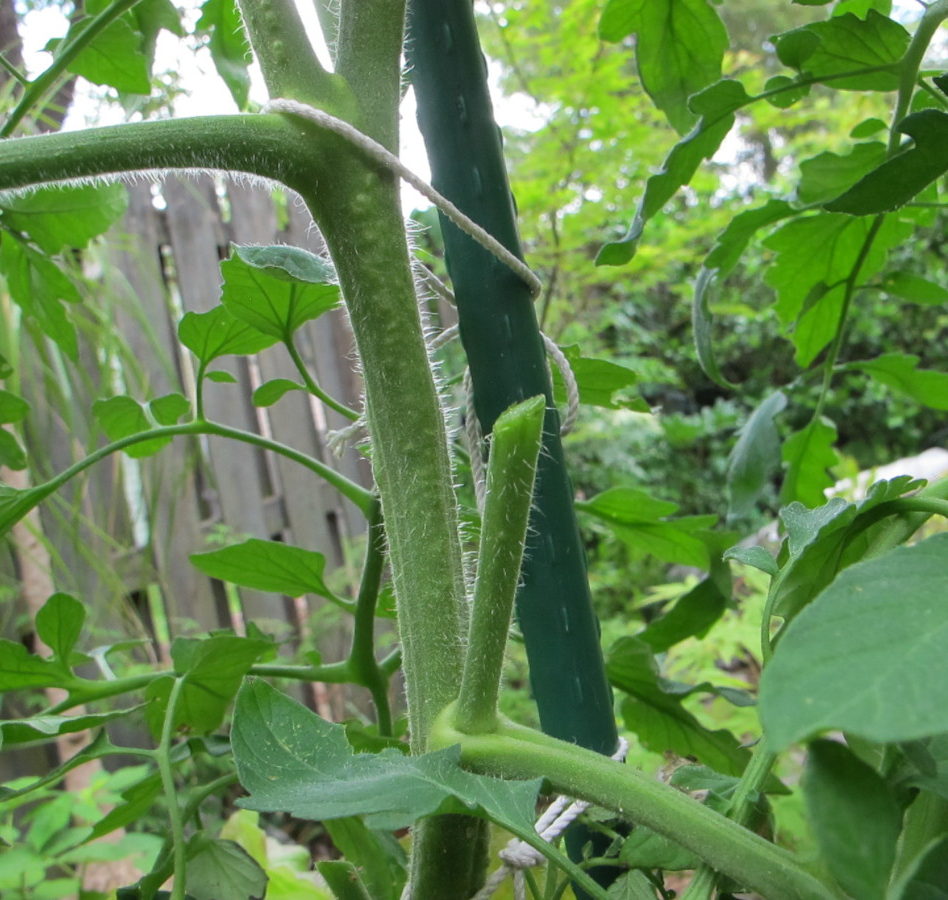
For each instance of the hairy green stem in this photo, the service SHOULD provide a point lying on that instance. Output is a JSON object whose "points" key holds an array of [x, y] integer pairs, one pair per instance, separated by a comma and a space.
{"points": [[362, 498], [311, 384], [935, 13], [289, 64], [64, 56], [269, 146], [704, 883], [357, 208], [166, 771], [516, 752], [83, 691], [362, 659], [511, 471]]}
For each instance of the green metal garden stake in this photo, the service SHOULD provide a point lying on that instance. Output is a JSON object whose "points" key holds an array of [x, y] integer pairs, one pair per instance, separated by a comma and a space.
{"points": [[505, 353]]}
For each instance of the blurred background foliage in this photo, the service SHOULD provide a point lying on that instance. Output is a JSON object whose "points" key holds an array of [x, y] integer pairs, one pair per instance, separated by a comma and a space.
{"points": [[592, 137]]}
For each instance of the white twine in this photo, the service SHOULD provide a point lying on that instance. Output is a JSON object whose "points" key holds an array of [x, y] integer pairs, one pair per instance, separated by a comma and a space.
{"points": [[518, 855], [391, 162]]}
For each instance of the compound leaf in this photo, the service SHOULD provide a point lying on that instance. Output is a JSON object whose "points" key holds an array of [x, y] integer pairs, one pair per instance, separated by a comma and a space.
{"points": [[900, 371], [867, 655], [678, 50], [716, 106], [321, 778], [277, 289], [900, 179]]}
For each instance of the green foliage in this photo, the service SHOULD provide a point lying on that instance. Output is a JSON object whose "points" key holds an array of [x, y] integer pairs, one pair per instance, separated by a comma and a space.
{"points": [[227, 40], [276, 289], [679, 47], [798, 219], [855, 818], [810, 686], [323, 779]]}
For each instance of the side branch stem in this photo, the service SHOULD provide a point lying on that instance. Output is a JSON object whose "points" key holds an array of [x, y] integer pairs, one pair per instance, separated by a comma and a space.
{"points": [[516, 752]]}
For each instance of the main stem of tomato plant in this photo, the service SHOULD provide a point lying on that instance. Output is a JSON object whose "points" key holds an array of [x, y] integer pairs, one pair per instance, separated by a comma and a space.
{"points": [[357, 207]]}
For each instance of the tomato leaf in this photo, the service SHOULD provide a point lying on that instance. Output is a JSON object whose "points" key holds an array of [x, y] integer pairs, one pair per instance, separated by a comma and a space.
{"points": [[267, 566], [702, 321], [755, 456], [12, 408], [855, 819], [218, 333], [692, 614], [321, 778], [277, 289], [653, 710], [39, 287], [829, 49], [59, 623], [114, 57], [911, 287], [809, 456], [271, 391], [120, 417], [815, 257], [827, 174], [866, 656], [230, 49], [214, 668], [822, 541], [732, 242], [601, 382], [900, 371], [217, 868], [678, 50], [716, 106], [897, 181]]}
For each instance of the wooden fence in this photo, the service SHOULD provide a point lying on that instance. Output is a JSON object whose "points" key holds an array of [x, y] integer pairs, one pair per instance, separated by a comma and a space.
{"points": [[119, 537]]}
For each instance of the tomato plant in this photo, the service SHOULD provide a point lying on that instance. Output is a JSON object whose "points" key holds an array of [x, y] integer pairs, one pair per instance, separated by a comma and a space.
{"points": [[857, 650]]}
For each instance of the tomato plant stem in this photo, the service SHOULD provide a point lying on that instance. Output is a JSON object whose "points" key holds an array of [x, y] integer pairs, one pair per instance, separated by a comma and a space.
{"points": [[512, 751]]}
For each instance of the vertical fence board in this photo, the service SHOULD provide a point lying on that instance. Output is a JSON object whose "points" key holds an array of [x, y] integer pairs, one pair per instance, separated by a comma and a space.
{"points": [[238, 469], [146, 320]]}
